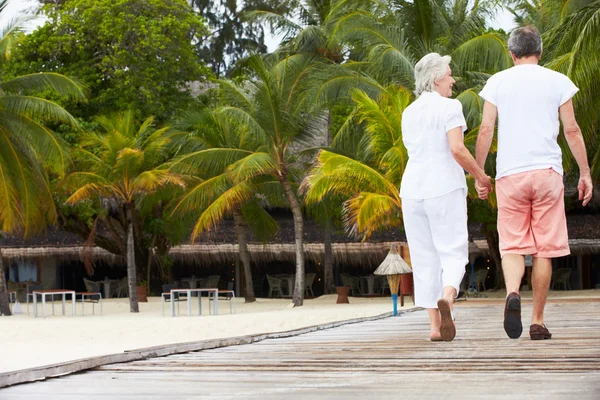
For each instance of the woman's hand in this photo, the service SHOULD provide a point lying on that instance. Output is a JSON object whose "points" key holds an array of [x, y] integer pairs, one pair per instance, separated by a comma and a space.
{"points": [[483, 187]]}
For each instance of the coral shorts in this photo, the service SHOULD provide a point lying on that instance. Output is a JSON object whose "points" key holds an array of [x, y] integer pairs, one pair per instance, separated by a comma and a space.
{"points": [[531, 214]]}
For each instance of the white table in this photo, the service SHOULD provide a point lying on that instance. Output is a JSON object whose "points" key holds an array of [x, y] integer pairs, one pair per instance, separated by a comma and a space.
{"points": [[370, 279], [52, 293], [189, 292]]}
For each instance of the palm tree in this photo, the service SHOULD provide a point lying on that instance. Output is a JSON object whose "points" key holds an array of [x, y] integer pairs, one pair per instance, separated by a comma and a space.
{"points": [[209, 196], [387, 38], [29, 150], [370, 177], [302, 27], [571, 47], [271, 106], [122, 164]]}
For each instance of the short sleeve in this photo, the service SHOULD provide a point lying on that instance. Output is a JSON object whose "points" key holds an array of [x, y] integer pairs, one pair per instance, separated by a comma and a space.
{"points": [[455, 117], [489, 91], [567, 89]]}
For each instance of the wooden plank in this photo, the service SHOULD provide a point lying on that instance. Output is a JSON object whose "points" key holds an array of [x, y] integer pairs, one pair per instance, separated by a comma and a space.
{"points": [[387, 358]]}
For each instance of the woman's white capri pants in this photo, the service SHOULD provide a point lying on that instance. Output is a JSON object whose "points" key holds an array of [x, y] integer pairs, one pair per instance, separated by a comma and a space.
{"points": [[436, 230]]}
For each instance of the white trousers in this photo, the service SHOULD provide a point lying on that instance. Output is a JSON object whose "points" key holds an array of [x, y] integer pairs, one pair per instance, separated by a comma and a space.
{"points": [[436, 230]]}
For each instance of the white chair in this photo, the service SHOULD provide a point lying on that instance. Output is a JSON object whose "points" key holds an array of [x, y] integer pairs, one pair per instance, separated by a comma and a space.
{"points": [[309, 279], [30, 290], [213, 281], [229, 295], [91, 286], [274, 286], [480, 277], [562, 277], [166, 296], [121, 288], [385, 285]]}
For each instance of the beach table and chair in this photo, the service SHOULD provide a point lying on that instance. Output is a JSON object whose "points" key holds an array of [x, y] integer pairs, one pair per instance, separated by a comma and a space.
{"points": [[93, 298], [12, 298], [43, 294], [172, 294]]}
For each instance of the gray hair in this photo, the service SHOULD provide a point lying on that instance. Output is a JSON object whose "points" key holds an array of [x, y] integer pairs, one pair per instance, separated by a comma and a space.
{"points": [[428, 70], [525, 42]]}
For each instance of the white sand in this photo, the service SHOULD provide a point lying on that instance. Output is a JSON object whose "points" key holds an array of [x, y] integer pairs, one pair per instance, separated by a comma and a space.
{"points": [[30, 342]]}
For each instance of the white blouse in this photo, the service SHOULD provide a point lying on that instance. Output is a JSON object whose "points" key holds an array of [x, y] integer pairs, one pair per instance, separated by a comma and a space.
{"points": [[431, 170]]}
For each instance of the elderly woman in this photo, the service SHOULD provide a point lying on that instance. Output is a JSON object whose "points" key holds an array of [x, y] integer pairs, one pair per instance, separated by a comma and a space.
{"points": [[434, 191]]}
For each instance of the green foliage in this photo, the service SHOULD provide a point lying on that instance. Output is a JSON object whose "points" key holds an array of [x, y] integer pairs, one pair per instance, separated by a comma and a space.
{"points": [[130, 53], [231, 37], [29, 150]]}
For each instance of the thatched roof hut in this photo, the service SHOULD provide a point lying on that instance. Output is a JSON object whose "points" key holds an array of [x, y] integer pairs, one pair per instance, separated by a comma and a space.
{"points": [[220, 246]]}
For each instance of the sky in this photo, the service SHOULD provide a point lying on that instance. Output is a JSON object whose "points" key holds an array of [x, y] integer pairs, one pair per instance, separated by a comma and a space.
{"points": [[503, 20]]}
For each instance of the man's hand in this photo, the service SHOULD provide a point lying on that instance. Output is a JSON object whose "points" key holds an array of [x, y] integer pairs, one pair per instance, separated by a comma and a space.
{"points": [[585, 188], [483, 187]]}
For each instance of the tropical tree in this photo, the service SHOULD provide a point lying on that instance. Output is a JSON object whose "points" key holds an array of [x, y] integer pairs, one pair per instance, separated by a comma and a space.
{"points": [[271, 106], [571, 47], [301, 25], [121, 166], [369, 177], [208, 197], [138, 54], [230, 37], [29, 151], [387, 38]]}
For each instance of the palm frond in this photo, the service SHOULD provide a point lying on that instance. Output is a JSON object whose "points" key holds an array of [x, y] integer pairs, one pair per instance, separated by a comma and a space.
{"points": [[49, 146], [233, 197], [262, 223], [211, 161], [36, 108], [367, 213], [487, 52], [253, 165], [63, 85], [150, 181]]}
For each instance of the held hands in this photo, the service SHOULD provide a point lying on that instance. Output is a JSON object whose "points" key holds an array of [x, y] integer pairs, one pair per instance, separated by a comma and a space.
{"points": [[585, 188], [483, 187]]}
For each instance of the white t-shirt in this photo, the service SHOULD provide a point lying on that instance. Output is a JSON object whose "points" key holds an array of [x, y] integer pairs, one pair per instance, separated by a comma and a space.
{"points": [[431, 170], [528, 98]]}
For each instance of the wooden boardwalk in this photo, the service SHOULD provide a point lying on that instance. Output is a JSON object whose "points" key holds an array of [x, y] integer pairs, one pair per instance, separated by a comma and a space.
{"points": [[388, 359]]}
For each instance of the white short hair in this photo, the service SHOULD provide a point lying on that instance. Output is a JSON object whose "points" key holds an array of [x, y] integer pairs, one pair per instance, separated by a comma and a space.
{"points": [[428, 70]]}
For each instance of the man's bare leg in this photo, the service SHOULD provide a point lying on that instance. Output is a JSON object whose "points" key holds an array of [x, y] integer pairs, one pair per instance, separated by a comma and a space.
{"points": [[542, 275], [513, 266]]}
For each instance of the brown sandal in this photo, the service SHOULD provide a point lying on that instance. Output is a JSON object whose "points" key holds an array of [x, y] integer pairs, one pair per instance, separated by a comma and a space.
{"points": [[539, 332], [447, 327]]}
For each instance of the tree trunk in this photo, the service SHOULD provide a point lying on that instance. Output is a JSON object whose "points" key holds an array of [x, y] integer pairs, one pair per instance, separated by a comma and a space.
{"points": [[4, 306], [240, 228], [491, 236], [131, 269], [329, 285], [298, 298], [150, 259]]}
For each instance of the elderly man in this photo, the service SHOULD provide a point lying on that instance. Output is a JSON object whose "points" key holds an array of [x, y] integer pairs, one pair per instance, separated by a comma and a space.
{"points": [[528, 100]]}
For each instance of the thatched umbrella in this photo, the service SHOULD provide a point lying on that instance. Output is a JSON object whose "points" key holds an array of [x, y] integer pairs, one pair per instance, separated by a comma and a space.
{"points": [[393, 267]]}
